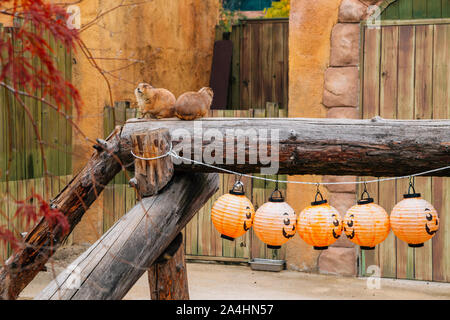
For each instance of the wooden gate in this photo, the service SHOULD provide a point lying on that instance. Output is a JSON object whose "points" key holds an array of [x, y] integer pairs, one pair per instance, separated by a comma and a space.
{"points": [[259, 67], [405, 75]]}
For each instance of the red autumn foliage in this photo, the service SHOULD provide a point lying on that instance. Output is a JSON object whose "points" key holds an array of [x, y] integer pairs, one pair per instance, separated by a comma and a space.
{"points": [[27, 65], [30, 210], [53, 216], [38, 21], [7, 236], [27, 211]]}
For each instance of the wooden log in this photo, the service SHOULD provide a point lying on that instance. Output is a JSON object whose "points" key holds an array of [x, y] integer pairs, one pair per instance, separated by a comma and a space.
{"points": [[151, 175], [110, 267], [73, 201], [167, 277], [377, 147]]}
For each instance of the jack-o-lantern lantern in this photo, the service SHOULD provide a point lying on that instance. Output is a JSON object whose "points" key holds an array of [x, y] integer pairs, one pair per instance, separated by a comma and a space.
{"points": [[366, 223], [275, 222], [414, 220], [232, 214], [319, 224]]}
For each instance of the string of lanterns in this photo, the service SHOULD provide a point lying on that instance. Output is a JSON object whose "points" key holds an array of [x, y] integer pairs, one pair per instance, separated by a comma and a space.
{"points": [[413, 220]]}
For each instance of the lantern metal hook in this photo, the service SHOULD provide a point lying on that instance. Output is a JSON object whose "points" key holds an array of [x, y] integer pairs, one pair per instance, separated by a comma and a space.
{"points": [[318, 193], [365, 191], [411, 185]]}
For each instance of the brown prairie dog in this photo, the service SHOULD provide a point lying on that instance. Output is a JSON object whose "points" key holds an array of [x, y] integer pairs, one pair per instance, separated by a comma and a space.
{"points": [[193, 105], [154, 102]]}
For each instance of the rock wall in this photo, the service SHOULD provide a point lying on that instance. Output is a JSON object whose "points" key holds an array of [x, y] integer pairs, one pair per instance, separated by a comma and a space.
{"points": [[324, 82], [310, 25]]}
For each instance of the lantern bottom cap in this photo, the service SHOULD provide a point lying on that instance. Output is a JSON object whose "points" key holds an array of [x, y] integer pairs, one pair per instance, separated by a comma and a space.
{"points": [[226, 237], [367, 248], [320, 248], [273, 247], [415, 245]]}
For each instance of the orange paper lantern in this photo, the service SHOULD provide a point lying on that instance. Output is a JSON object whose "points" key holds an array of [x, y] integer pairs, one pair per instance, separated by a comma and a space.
{"points": [[275, 222], [319, 224], [232, 214], [414, 220], [366, 224]]}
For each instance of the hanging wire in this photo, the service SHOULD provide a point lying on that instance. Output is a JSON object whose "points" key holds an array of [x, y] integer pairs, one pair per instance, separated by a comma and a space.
{"points": [[154, 158], [173, 154]]}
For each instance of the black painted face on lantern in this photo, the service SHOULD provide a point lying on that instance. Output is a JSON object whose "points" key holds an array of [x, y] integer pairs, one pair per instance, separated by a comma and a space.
{"points": [[348, 227], [432, 224], [288, 227], [337, 229], [248, 219]]}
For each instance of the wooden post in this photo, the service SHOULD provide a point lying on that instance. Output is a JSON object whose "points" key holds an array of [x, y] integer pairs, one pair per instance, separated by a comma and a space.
{"points": [[151, 175], [167, 277]]}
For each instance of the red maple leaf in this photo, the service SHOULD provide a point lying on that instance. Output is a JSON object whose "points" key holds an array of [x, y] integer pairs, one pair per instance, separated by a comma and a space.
{"points": [[36, 22], [27, 210], [7, 236], [53, 216]]}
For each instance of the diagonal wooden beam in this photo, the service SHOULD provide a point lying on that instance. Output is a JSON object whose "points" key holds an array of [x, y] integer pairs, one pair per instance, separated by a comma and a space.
{"points": [[118, 259]]}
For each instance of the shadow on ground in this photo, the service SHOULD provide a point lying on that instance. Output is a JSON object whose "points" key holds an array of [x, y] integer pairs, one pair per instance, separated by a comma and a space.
{"points": [[225, 282]]}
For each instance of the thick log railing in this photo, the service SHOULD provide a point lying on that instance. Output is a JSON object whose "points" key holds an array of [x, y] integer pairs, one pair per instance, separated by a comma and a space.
{"points": [[376, 147]]}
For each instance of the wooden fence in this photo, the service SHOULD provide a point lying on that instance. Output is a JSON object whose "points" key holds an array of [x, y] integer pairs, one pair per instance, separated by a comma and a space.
{"points": [[260, 62], [416, 9], [202, 241], [405, 75], [21, 162]]}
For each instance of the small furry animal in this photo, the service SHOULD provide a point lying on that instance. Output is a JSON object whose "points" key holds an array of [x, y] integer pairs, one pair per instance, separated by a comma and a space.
{"points": [[193, 105], [155, 102]]}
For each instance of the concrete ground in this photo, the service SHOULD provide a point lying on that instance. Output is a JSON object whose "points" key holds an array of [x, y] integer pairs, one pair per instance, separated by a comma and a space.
{"points": [[223, 282]]}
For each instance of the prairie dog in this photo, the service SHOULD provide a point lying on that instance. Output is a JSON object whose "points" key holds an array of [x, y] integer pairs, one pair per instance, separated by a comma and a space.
{"points": [[193, 105], [154, 102]]}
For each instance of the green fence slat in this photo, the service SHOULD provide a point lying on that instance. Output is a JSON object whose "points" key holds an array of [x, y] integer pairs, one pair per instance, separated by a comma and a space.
{"points": [[434, 8], [405, 9]]}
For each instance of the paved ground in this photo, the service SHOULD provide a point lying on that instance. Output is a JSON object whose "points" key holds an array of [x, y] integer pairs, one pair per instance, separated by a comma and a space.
{"points": [[218, 281]]}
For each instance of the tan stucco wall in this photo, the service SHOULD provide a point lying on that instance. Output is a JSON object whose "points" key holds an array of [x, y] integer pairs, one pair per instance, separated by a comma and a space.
{"points": [[168, 44], [310, 26]]}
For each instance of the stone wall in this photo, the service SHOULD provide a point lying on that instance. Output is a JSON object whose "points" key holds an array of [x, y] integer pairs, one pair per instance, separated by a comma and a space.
{"points": [[310, 25], [324, 82]]}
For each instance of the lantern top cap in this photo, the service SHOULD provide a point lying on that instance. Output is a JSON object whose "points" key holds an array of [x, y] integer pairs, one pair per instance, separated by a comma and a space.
{"points": [[316, 203], [280, 198], [411, 195], [365, 201], [238, 189]]}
